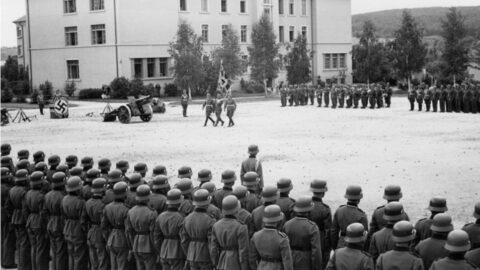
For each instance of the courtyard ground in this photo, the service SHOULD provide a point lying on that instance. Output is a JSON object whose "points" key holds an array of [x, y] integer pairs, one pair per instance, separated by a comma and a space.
{"points": [[427, 154]]}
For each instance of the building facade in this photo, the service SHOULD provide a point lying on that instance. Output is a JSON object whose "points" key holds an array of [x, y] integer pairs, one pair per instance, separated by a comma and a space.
{"points": [[91, 42]]}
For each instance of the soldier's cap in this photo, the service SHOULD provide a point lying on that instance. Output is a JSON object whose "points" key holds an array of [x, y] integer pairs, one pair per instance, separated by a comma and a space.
{"points": [[185, 186], [99, 185], [143, 193], [403, 231], [458, 241], [442, 223], [122, 165], [355, 233], [92, 174], [62, 168], [74, 183], [135, 180], [284, 185], [210, 187], [58, 179], [120, 189], [36, 178], [204, 175], [21, 175], [230, 205], [392, 193], [241, 192], [438, 204], [41, 166], [23, 154], [184, 172], [87, 161], [71, 159], [6, 161], [228, 176], [6, 148], [159, 170], [115, 176], [303, 204], [160, 182], [201, 198], [38, 156], [253, 149], [270, 194], [140, 167], [76, 171], [318, 186], [104, 164], [393, 211], [354, 193], [250, 179], [5, 171], [272, 214], [174, 196], [23, 164], [476, 211], [54, 160]]}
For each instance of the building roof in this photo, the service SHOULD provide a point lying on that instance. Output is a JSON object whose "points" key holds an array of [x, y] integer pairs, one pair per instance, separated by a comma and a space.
{"points": [[21, 19]]}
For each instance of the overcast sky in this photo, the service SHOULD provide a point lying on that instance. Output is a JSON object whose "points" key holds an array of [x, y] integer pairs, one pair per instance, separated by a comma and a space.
{"points": [[13, 9]]}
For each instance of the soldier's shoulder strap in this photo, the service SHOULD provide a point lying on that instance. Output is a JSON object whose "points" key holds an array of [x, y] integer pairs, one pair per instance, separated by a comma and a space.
{"points": [[366, 254], [326, 205], [360, 210], [415, 254], [282, 234], [380, 207]]}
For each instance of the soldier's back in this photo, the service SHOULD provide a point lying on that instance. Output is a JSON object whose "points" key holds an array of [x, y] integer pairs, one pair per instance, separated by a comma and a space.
{"points": [[449, 264], [422, 228], [196, 229], [348, 214], [170, 224], [473, 231], [53, 209], [246, 218], [430, 250], [17, 195], [219, 195], [158, 202], [230, 244], [257, 218], [381, 242], [473, 256], [347, 258], [399, 260], [304, 238], [271, 250], [141, 219], [114, 216], [252, 202], [286, 205], [34, 201]]}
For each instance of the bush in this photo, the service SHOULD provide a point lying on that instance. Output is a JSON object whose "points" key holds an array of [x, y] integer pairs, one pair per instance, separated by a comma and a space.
{"points": [[149, 90], [136, 87], [70, 88], [90, 93], [253, 87], [7, 95], [171, 90], [47, 89], [34, 96], [18, 87], [119, 87], [158, 90]]}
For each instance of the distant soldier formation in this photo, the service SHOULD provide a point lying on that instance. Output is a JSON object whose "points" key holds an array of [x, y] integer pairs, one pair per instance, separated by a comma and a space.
{"points": [[459, 98], [217, 105], [337, 96], [79, 216]]}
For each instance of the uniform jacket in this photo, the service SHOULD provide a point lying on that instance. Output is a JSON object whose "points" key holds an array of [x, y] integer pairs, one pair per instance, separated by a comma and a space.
{"points": [[6, 213], [423, 229], [473, 230], [167, 235], [246, 218], [195, 236], [286, 204], [214, 212], [186, 207], [53, 212], [449, 264], [219, 195], [344, 216], [304, 239], [229, 244], [139, 225], [184, 99], [16, 202], [94, 209], [158, 202], [378, 222], [75, 228], [113, 224], [381, 242], [322, 216], [399, 258], [257, 218], [270, 250], [347, 258], [252, 201], [33, 208], [252, 164], [430, 250], [473, 256]]}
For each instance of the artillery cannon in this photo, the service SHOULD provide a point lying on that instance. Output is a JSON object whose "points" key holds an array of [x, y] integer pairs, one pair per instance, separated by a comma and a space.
{"points": [[135, 107]]}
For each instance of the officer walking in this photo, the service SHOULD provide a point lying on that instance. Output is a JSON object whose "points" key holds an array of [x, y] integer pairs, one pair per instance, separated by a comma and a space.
{"points": [[230, 241], [322, 216], [286, 203], [352, 255], [252, 164], [457, 245], [304, 237], [230, 107], [99, 259], [184, 101], [208, 105], [270, 248]]}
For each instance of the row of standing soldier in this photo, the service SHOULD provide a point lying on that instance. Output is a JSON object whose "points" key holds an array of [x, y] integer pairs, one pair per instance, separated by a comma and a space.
{"points": [[463, 98]]}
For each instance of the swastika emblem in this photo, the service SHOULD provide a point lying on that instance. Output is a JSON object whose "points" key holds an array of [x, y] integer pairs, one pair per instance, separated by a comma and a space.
{"points": [[60, 106]]}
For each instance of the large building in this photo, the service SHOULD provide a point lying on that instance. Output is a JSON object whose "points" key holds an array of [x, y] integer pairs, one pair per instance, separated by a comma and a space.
{"points": [[91, 42]]}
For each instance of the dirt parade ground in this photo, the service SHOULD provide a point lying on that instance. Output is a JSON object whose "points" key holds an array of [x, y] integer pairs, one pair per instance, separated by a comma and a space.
{"points": [[427, 154]]}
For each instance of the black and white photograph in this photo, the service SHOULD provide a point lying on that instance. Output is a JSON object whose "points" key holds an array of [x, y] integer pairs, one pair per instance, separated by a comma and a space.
{"points": [[240, 135]]}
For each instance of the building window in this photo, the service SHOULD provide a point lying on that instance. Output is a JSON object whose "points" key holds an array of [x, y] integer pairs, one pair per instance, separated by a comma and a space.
{"points": [[291, 33], [183, 5], [304, 32], [138, 68], [342, 60], [243, 6], [98, 34], [19, 50], [243, 33], [224, 5], [326, 61], [151, 67], [291, 7], [71, 36], [163, 67], [334, 60], [73, 70], [224, 30], [281, 36], [69, 6], [19, 32], [97, 5], [204, 5], [280, 7], [205, 33], [304, 7], [244, 58]]}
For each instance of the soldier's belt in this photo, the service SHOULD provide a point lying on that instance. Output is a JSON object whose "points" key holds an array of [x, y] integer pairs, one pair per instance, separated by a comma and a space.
{"points": [[171, 237], [198, 239], [270, 259], [297, 248], [120, 227], [142, 233], [229, 248]]}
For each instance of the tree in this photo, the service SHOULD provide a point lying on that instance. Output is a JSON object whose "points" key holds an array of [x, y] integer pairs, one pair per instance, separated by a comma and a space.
{"points": [[455, 54], [264, 61], [211, 70], [408, 50], [229, 54], [187, 51], [10, 69], [298, 68], [369, 56]]}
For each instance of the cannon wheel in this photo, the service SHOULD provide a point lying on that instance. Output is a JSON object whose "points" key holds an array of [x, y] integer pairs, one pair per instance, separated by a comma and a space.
{"points": [[124, 114], [146, 117]]}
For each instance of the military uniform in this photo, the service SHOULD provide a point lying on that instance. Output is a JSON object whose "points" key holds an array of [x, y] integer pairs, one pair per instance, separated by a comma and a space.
{"points": [[473, 230], [208, 105], [304, 243], [449, 264], [286, 204], [231, 107], [381, 241], [412, 95], [326, 96], [435, 98], [379, 97], [341, 98], [252, 164], [220, 194], [319, 95], [378, 222], [388, 96], [371, 98], [270, 250], [443, 99], [432, 249], [334, 97], [400, 258], [349, 98], [283, 96], [344, 216], [347, 258], [420, 96], [428, 99], [322, 216], [218, 111], [450, 99], [473, 256], [158, 200], [8, 231], [184, 102]]}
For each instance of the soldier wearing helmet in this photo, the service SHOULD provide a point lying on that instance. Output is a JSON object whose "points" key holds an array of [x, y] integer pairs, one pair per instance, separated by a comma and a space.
{"points": [[91, 175], [8, 232], [53, 161], [134, 181], [422, 227], [252, 164], [286, 203], [87, 164], [185, 186], [473, 229], [114, 176], [228, 180], [457, 245], [322, 216], [94, 206], [23, 154], [250, 181], [7, 162], [212, 210], [6, 149], [123, 166], [158, 199], [141, 168], [104, 165], [269, 197], [71, 161], [243, 215]]}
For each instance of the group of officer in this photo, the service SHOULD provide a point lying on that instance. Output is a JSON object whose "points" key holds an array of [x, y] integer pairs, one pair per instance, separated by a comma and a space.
{"points": [[459, 98], [81, 217], [335, 95]]}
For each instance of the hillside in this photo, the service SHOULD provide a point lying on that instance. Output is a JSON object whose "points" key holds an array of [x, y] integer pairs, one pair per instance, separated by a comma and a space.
{"points": [[429, 19]]}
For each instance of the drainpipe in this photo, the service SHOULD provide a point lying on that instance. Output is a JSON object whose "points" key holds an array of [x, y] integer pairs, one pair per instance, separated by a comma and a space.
{"points": [[30, 75], [116, 42], [311, 41]]}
